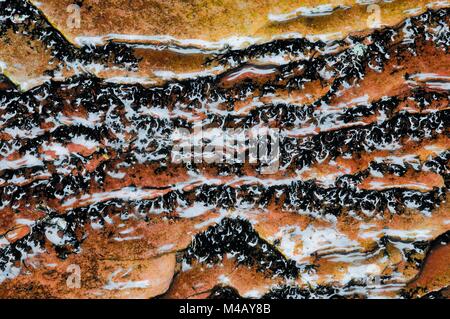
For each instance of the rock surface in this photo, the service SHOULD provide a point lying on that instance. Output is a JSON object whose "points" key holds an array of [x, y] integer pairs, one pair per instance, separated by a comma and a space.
{"points": [[93, 204]]}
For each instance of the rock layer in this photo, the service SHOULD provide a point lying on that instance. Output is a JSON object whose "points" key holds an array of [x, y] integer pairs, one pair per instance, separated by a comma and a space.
{"points": [[94, 206]]}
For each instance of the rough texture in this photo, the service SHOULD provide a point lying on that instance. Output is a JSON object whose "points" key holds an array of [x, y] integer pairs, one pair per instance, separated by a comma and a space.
{"points": [[93, 205]]}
